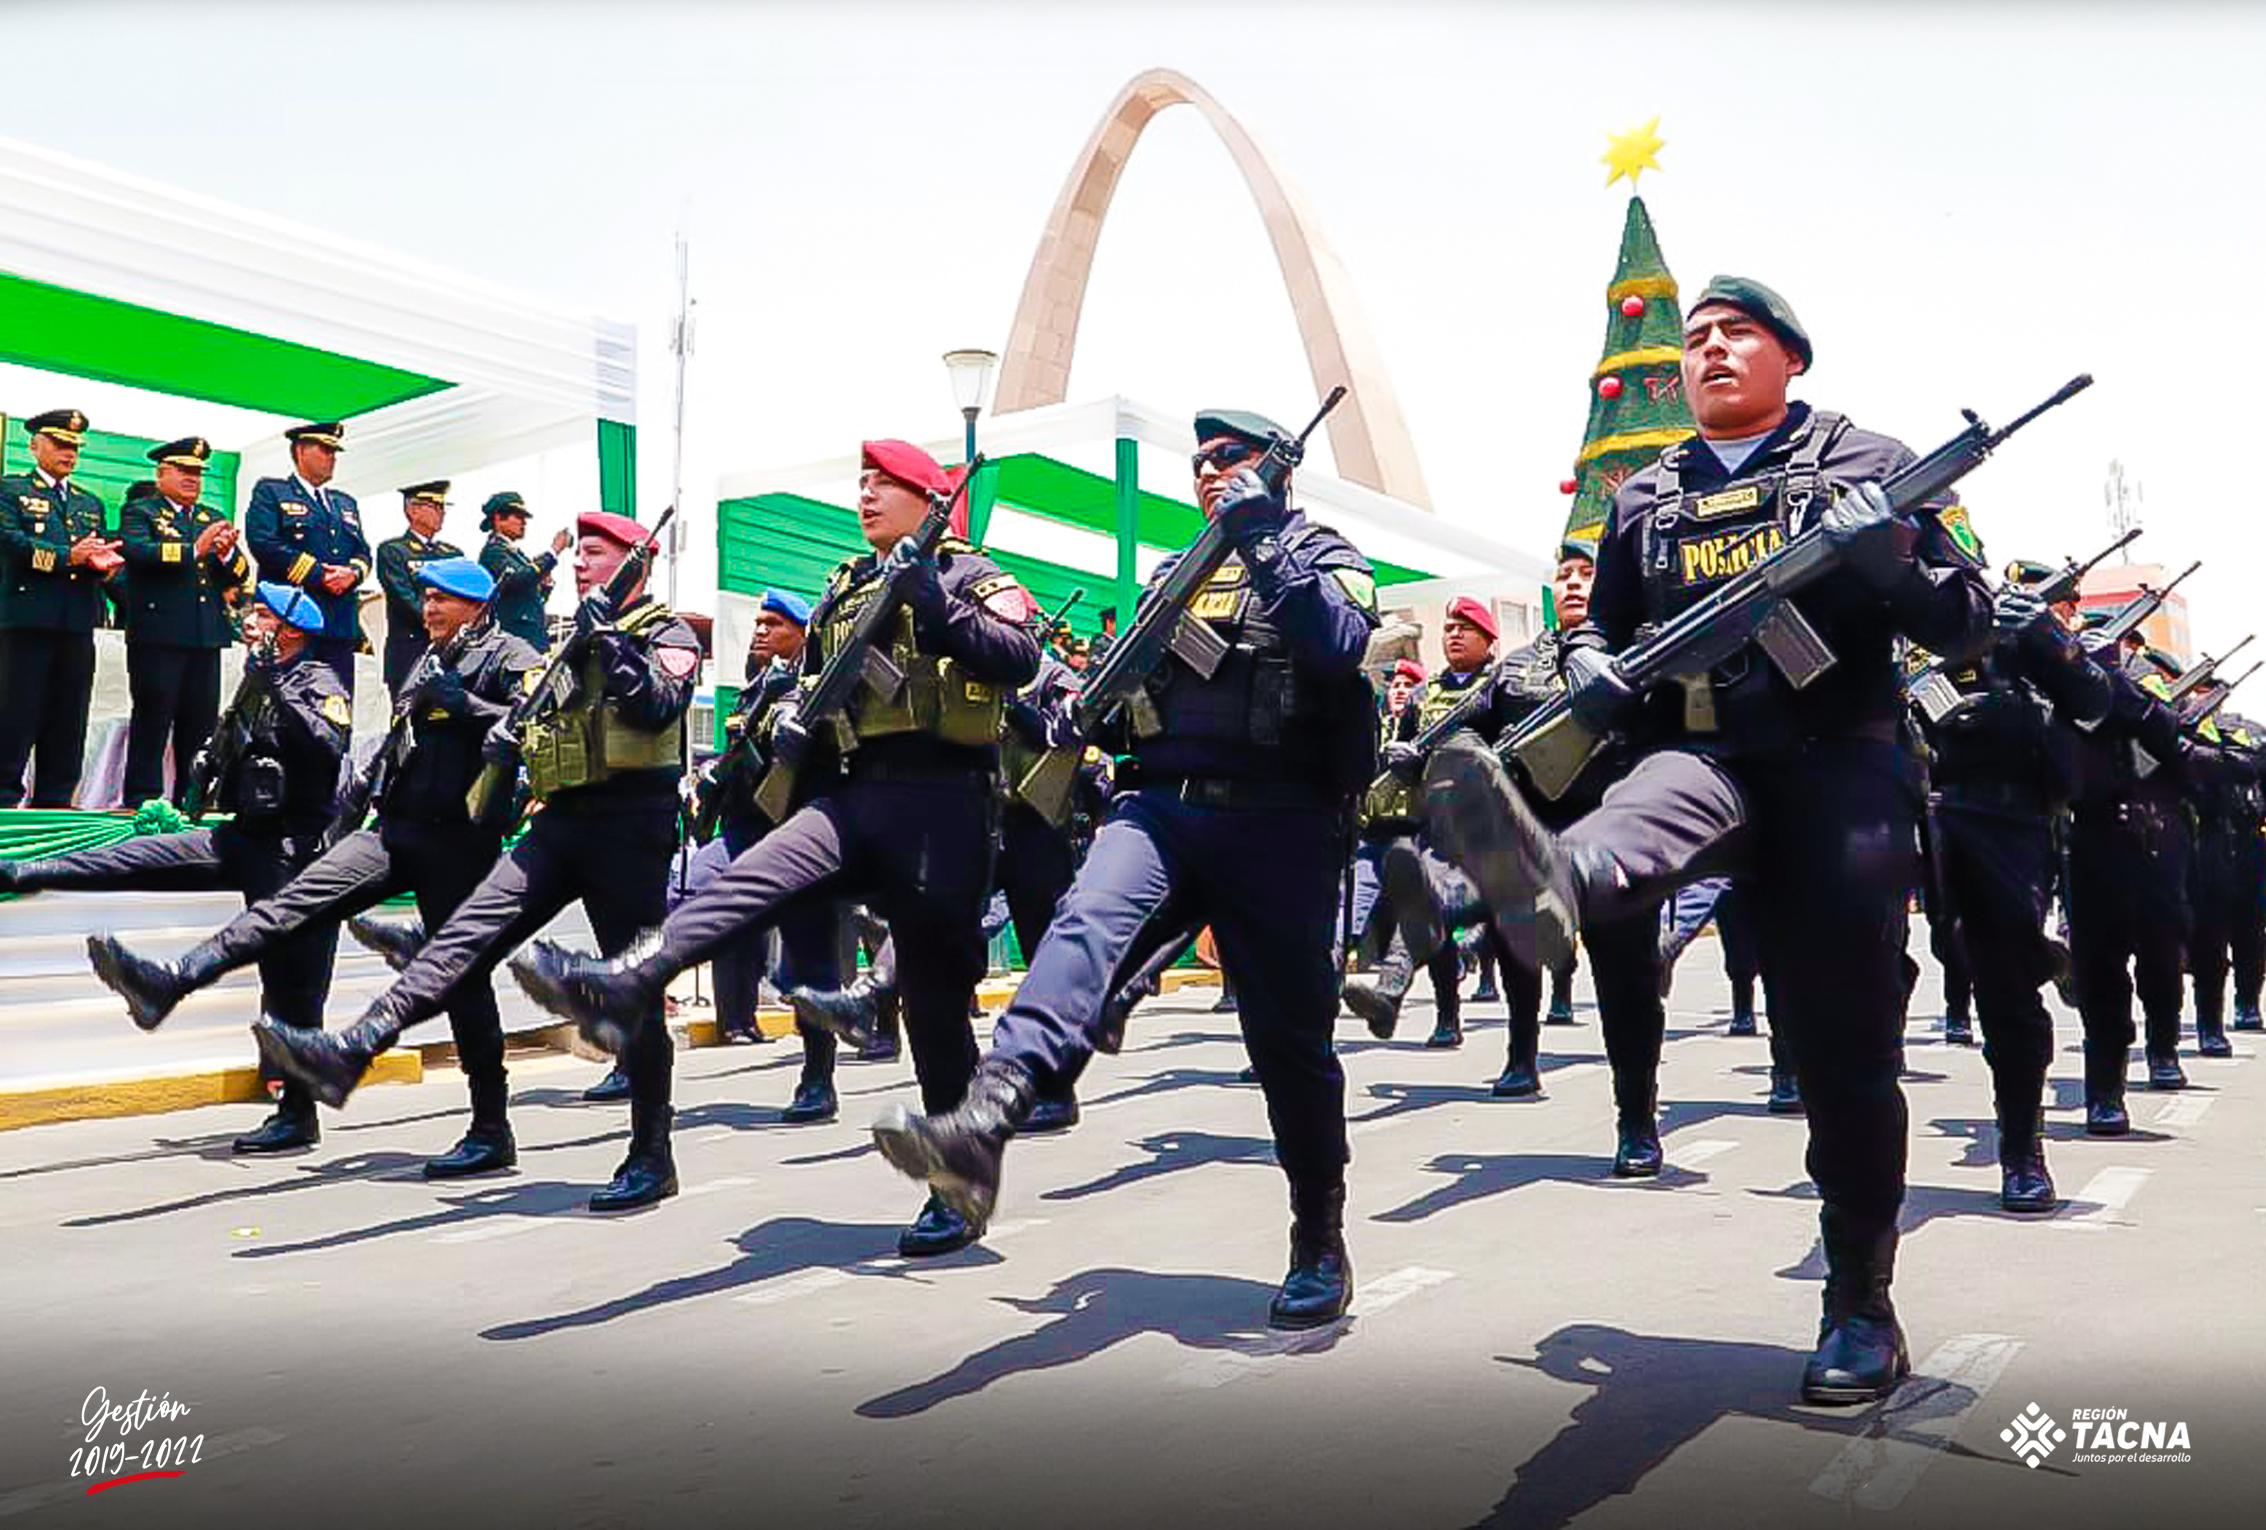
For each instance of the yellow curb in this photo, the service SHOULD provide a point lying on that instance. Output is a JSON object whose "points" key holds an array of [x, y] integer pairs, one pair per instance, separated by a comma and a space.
{"points": [[45, 1105]]}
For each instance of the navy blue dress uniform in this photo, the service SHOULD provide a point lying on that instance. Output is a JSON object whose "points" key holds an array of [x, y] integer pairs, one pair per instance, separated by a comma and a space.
{"points": [[296, 528], [281, 792], [1810, 791], [605, 768], [399, 559], [49, 608], [423, 843], [522, 583], [907, 827], [1234, 810], [178, 619]]}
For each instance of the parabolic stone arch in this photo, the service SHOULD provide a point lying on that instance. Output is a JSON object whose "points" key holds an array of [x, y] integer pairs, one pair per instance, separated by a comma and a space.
{"points": [[1368, 436]]}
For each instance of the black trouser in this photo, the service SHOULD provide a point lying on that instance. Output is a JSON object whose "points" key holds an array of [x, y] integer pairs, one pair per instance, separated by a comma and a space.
{"points": [[1735, 929], [176, 697], [1996, 876], [1624, 965], [2246, 933], [916, 848], [1827, 835], [294, 974], [2127, 903], [612, 854], [1037, 863], [403, 650], [2216, 896], [46, 682], [809, 944], [440, 863]]}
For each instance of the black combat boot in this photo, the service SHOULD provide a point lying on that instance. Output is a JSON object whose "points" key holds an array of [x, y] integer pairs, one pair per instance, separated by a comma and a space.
{"points": [[1486, 992], [1958, 1028], [26, 876], [328, 1063], [649, 1173], [888, 1022], [1377, 996], [152, 989], [2248, 1018], [610, 1090], [1561, 1010], [1742, 1008], [2024, 1184], [292, 1126], [1225, 1004], [1785, 1097], [937, 1230], [1525, 877], [852, 1013], [607, 997], [1860, 1355], [1117, 1010], [814, 1102], [2210, 1028], [2104, 1090], [396, 940], [1521, 1075], [1320, 1282], [2164, 1071], [958, 1153], [1637, 1124], [487, 1145], [1051, 1113], [1447, 1027]]}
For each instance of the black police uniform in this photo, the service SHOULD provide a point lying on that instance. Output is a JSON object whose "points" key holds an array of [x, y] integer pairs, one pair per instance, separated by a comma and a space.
{"points": [[49, 608], [399, 558], [2246, 930], [1234, 811], [2230, 809], [295, 529], [1809, 791], [605, 770], [522, 584], [177, 622], [423, 843], [280, 795]]}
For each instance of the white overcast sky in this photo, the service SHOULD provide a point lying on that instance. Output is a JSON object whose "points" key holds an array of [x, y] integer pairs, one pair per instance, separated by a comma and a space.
{"points": [[1966, 204]]}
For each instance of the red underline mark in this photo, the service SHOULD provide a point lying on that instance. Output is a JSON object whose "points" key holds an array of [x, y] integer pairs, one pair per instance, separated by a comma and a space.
{"points": [[96, 1487]]}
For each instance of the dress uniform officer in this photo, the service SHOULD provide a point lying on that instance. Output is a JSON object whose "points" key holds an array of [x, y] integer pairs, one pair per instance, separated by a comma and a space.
{"points": [[1234, 810], [1811, 789], [286, 740], [907, 826], [605, 768], [185, 561], [423, 843], [54, 559], [522, 583], [399, 558], [308, 535]]}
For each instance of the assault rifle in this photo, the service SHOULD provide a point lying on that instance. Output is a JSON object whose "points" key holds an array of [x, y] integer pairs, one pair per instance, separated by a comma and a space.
{"points": [[2106, 637], [1046, 785], [2200, 674], [1553, 746], [232, 734], [2202, 714], [1458, 717], [491, 800], [738, 758], [2064, 585], [863, 658], [370, 784], [1931, 689]]}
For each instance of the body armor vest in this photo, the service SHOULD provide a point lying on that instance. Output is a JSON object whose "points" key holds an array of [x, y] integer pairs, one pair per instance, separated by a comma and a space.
{"points": [[1256, 696], [588, 741], [1997, 729], [1398, 799], [939, 697]]}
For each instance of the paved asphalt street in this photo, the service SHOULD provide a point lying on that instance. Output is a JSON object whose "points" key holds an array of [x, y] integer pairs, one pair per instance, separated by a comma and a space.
{"points": [[1533, 1344]]}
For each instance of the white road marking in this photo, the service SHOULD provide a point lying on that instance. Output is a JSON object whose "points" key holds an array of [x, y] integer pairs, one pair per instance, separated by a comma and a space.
{"points": [[2184, 1110], [2104, 1195], [1220, 1367], [1685, 1154], [711, 1186], [811, 1282], [1878, 1468], [500, 1227]]}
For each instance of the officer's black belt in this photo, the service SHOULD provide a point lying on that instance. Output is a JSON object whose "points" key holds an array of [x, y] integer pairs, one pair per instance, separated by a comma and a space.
{"points": [[1218, 792], [899, 773], [2002, 796]]}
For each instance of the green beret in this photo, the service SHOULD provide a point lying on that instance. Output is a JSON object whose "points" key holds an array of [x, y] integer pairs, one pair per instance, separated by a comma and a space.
{"points": [[1239, 425], [2162, 660], [1579, 544], [1758, 302], [2029, 571]]}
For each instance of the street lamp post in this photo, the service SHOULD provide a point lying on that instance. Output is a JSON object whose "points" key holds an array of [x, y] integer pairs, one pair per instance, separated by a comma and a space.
{"points": [[970, 372]]}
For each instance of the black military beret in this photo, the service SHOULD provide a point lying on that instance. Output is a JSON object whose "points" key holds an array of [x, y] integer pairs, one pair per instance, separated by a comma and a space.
{"points": [[188, 452], [435, 489], [1756, 301], [503, 502], [65, 425], [328, 433], [1238, 425]]}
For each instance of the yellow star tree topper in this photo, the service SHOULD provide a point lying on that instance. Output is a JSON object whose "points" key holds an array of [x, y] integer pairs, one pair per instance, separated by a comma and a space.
{"points": [[1631, 153]]}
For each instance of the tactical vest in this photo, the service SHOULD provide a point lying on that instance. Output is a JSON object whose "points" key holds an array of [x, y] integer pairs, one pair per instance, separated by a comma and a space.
{"points": [[939, 696], [1257, 695], [588, 740], [1398, 798], [1994, 728]]}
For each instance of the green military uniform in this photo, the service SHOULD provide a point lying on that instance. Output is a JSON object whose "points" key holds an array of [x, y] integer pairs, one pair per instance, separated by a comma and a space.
{"points": [[522, 583], [177, 622], [398, 562], [49, 608]]}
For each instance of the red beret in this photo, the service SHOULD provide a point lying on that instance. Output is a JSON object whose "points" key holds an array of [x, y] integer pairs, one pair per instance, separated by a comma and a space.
{"points": [[1408, 667], [908, 464], [1476, 614], [614, 528]]}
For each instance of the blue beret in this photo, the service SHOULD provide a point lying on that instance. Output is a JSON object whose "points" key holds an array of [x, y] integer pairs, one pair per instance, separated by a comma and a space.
{"points": [[458, 576], [295, 606], [793, 607]]}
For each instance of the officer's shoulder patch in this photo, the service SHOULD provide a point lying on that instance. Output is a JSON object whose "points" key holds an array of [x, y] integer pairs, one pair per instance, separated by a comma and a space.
{"points": [[677, 662], [1953, 519], [531, 681], [1003, 596], [1359, 585], [2155, 686], [337, 710]]}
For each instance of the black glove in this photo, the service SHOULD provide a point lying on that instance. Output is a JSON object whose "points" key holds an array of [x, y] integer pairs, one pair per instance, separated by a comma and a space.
{"points": [[500, 747], [1247, 509], [593, 616], [1870, 536], [1595, 690], [2024, 616], [790, 740], [445, 693], [1403, 759]]}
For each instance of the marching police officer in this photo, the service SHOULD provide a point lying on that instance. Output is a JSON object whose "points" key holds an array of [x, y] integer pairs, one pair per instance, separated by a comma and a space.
{"points": [[605, 767], [422, 505], [423, 843], [523, 584], [908, 825], [2230, 813], [1235, 811], [186, 561], [308, 535], [1811, 789], [277, 753], [54, 559]]}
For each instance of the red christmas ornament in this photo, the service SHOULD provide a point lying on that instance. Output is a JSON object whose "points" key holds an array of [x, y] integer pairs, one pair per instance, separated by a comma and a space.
{"points": [[1632, 307], [1609, 387], [1568, 485]]}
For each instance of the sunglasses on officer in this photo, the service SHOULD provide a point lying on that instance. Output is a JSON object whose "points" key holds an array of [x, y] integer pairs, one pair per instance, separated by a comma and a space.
{"points": [[1223, 455]]}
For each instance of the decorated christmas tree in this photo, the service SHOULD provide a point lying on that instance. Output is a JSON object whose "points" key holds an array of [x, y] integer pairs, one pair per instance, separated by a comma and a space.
{"points": [[1636, 393]]}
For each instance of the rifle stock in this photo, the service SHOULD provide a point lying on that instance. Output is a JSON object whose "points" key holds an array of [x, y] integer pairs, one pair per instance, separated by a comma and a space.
{"points": [[230, 733]]}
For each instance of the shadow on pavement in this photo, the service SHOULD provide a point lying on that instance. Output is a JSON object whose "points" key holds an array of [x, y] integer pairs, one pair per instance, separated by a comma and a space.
{"points": [[1169, 1153], [1479, 1175]]}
